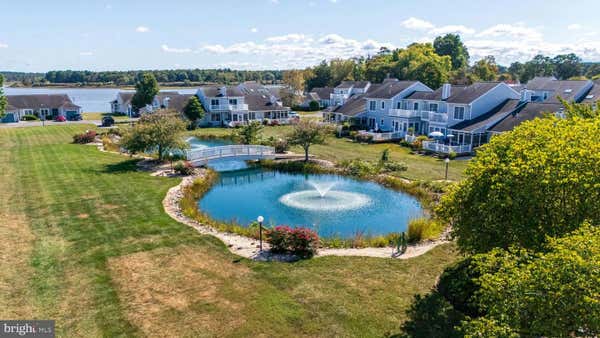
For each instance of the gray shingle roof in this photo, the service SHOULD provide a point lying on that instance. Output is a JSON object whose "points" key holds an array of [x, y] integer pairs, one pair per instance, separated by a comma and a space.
{"points": [[466, 95], [356, 104], [435, 95], [37, 101], [484, 120], [322, 92], [566, 89], [176, 101], [355, 84], [213, 91], [389, 89], [530, 111], [262, 102], [593, 95]]}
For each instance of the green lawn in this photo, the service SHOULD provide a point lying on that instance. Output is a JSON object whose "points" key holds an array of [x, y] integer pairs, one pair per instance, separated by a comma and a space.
{"points": [[99, 116], [86, 243], [337, 149]]}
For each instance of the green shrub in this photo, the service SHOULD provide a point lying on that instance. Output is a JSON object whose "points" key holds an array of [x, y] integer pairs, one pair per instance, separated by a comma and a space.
{"points": [[363, 138], [183, 168], [281, 146], [83, 138], [298, 241], [29, 117], [359, 168], [420, 229], [394, 166], [452, 155]]}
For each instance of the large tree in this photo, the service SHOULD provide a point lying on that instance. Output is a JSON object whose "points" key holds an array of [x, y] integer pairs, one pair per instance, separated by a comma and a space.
{"points": [[540, 180], [321, 76], [193, 110], [158, 132], [146, 89], [567, 66], [553, 293], [485, 69], [3, 102], [250, 133], [420, 62], [540, 65], [452, 46], [306, 133]]}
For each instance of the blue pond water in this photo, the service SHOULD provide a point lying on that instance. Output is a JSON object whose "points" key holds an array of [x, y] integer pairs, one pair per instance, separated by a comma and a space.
{"points": [[348, 206], [332, 205]]}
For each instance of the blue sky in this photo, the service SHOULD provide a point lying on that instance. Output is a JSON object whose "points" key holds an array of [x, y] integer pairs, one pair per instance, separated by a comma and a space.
{"points": [[44, 35]]}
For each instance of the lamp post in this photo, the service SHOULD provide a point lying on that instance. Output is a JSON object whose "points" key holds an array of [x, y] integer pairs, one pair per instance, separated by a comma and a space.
{"points": [[447, 161], [260, 220], [171, 159]]}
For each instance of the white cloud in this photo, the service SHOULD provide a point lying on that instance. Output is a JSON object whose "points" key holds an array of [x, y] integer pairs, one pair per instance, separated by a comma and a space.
{"points": [[298, 50], [574, 26], [417, 24], [518, 31], [142, 29], [457, 29], [86, 53], [3, 45], [168, 49], [254, 30]]}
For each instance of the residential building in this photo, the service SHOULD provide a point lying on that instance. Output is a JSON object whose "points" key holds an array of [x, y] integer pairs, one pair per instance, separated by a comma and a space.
{"points": [[46, 106], [171, 100], [322, 95], [346, 89], [234, 105]]}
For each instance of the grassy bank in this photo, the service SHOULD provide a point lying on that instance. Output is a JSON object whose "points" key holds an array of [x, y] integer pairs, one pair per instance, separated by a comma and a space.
{"points": [[422, 168], [86, 242]]}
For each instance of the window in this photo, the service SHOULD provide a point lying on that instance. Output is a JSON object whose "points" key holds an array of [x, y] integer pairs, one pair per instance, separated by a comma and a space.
{"points": [[382, 104], [235, 117], [433, 107], [252, 116], [416, 106], [214, 102], [381, 125], [399, 105], [216, 117], [459, 113], [233, 102], [372, 105]]}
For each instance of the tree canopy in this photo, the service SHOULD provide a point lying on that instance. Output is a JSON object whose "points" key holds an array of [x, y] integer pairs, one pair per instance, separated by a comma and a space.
{"points": [[3, 101], [158, 132], [145, 91], [452, 46], [485, 69], [306, 133], [555, 292], [540, 180], [193, 110], [250, 133]]}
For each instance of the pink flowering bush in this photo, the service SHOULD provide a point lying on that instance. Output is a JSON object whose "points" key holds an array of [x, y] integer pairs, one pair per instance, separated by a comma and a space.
{"points": [[299, 241], [88, 137]]}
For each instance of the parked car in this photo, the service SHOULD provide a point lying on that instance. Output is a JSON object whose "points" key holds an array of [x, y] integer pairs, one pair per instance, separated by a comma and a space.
{"points": [[60, 118], [108, 121], [76, 117]]}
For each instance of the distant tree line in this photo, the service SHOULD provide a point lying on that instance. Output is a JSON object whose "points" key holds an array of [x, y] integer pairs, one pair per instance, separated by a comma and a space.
{"points": [[444, 60]]}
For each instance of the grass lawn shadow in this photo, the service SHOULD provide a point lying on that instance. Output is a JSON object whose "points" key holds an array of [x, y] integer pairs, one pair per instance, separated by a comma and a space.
{"points": [[121, 167]]}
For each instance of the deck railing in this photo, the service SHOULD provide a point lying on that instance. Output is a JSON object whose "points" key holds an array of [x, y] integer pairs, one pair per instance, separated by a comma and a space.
{"points": [[378, 137], [447, 149]]}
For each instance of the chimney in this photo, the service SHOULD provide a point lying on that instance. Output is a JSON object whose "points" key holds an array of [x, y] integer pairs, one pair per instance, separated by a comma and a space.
{"points": [[446, 91]]}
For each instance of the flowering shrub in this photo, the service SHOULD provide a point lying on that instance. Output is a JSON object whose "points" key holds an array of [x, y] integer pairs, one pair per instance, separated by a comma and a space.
{"points": [[183, 168], [87, 137], [299, 241]]}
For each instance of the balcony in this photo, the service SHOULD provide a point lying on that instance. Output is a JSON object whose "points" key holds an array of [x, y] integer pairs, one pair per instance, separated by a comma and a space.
{"points": [[382, 137], [446, 149], [433, 116], [404, 113], [229, 107]]}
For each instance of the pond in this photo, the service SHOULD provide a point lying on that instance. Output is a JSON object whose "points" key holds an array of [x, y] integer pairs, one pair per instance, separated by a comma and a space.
{"points": [[334, 206]]}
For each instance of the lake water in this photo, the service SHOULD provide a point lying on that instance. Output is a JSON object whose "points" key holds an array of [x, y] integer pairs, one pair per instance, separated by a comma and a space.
{"points": [[90, 99]]}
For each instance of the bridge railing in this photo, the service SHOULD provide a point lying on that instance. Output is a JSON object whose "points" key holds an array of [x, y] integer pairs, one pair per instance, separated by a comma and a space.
{"points": [[229, 151]]}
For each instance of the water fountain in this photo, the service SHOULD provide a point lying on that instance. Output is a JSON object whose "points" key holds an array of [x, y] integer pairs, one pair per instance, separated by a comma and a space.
{"points": [[323, 198]]}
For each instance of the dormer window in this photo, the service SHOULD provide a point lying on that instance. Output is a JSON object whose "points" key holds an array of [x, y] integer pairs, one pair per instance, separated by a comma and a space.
{"points": [[416, 106], [214, 102], [233, 102]]}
